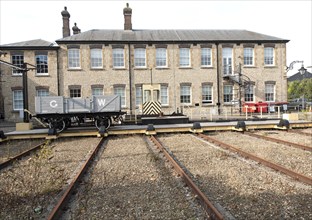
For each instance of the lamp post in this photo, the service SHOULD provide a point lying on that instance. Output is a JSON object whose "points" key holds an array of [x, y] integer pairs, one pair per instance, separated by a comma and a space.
{"points": [[302, 70]]}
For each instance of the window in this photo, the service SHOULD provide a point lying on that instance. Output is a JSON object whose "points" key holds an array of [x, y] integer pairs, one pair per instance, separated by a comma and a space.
{"points": [[161, 57], [120, 90], [118, 58], [269, 92], [97, 91], [207, 94], [138, 95], [227, 60], [248, 56], [42, 92], [96, 58], [73, 58], [139, 57], [249, 93], [227, 93], [164, 95], [17, 60], [42, 64], [18, 103], [184, 57], [206, 57], [75, 93], [185, 94], [268, 56]]}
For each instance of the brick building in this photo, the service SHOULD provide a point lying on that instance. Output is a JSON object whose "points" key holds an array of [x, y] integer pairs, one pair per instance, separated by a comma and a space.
{"points": [[189, 70]]}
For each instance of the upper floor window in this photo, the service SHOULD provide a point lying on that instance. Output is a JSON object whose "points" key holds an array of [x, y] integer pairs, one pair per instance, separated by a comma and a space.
{"points": [[121, 91], [18, 103], [74, 58], [118, 58], [42, 92], [96, 58], [75, 93], [17, 60], [42, 64], [161, 57], [249, 93], [248, 56], [139, 57], [185, 57], [269, 92], [227, 93], [97, 91], [206, 57], [185, 94], [164, 99], [138, 95], [268, 56], [227, 60], [207, 94]]}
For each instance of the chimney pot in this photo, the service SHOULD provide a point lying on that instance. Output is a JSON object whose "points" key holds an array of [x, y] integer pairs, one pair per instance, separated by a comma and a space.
{"points": [[66, 16], [127, 15]]}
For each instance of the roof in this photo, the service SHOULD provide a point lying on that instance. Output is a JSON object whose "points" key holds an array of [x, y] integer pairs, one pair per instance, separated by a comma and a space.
{"points": [[298, 76], [170, 36], [31, 44]]}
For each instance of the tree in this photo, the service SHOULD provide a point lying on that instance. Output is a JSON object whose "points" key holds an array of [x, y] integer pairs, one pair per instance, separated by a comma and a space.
{"points": [[297, 89]]}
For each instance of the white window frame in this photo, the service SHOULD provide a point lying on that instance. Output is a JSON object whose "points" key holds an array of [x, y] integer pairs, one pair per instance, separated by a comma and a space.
{"points": [[227, 61], [269, 92], [138, 96], [228, 94], [248, 56], [121, 91], [207, 94], [164, 95], [17, 60], [185, 91], [42, 92], [96, 58], [97, 91], [75, 93], [185, 60], [74, 58], [161, 57], [18, 100], [118, 58], [249, 93], [140, 58], [269, 56], [42, 65], [206, 57]]}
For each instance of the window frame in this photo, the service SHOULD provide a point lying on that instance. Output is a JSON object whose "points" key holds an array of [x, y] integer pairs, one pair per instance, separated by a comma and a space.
{"points": [[161, 58], [269, 56], [164, 95], [118, 58], [40, 92], [269, 92], [248, 56], [186, 95], [75, 93], [228, 97], [249, 94], [73, 57], [40, 65], [97, 91], [17, 60], [94, 52], [206, 57], [122, 95], [140, 58], [184, 57], [20, 100], [209, 94]]}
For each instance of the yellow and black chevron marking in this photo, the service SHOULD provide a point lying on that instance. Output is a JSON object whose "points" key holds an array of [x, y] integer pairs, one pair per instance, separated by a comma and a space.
{"points": [[151, 108]]}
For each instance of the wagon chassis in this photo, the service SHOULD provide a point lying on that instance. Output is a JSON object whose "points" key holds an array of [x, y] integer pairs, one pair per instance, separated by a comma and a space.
{"points": [[62, 121]]}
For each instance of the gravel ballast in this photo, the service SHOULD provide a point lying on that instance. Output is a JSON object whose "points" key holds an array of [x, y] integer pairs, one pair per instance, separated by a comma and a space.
{"points": [[244, 188]]}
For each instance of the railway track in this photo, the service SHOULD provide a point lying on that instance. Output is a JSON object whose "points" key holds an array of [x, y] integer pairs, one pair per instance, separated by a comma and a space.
{"points": [[297, 176]]}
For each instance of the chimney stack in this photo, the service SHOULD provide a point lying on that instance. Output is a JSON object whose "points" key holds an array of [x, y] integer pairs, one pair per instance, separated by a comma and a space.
{"points": [[127, 14], [66, 16], [76, 30]]}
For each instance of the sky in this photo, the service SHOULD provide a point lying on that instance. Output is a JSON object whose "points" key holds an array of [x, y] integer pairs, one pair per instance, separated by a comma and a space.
{"points": [[291, 20]]}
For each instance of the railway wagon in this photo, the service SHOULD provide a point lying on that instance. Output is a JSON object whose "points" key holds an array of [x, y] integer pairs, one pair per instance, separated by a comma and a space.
{"points": [[60, 112]]}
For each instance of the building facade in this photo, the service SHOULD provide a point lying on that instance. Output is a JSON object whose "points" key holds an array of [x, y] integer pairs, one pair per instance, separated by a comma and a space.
{"points": [[185, 70]]}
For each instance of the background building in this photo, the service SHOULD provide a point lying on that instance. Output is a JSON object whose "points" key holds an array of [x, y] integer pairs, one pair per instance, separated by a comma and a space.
{"points": [[183, 70]]}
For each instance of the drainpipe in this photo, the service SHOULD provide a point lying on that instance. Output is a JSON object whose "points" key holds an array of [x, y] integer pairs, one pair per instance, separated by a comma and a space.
{"points": [[218, 80], [57, 73], [130, 80]]}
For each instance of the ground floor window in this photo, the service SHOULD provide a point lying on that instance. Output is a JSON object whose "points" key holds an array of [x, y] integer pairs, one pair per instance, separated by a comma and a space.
{"points": [[249, 93], [42, 92], [185, 94], [269, 92], [164, 95], [138, 95], [75, 93], [120, 90], [227, 93], [18, 100], [207, 94], [97, 91]]}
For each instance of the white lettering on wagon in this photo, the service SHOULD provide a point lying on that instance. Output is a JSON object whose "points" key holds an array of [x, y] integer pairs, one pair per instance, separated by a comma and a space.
{"points": [[53, 104], [101, 102]]}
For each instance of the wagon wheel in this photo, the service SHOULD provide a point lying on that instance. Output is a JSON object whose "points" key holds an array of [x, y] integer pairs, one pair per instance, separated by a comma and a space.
{"points": [[103, 121], [58, 124]]}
